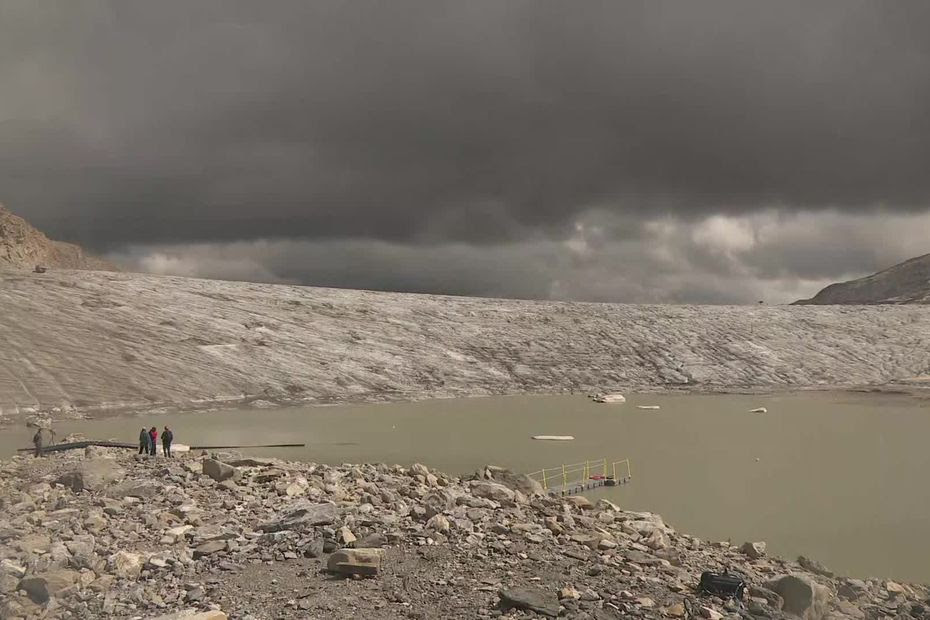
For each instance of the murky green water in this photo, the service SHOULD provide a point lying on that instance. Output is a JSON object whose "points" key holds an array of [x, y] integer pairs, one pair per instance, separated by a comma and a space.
{"points": [[838, 477]]}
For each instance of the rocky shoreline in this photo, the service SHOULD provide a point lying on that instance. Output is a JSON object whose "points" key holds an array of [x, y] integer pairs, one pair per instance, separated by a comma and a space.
{"points": [[107, 534]]}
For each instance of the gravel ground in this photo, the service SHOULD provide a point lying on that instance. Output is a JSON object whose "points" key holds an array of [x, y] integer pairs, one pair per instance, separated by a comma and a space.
{"points": [[105, 534]]}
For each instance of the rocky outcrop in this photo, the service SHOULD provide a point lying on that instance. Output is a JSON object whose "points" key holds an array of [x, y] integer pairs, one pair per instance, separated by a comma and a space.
{"points": [[905, 283], [374, 542], [24, 247]]}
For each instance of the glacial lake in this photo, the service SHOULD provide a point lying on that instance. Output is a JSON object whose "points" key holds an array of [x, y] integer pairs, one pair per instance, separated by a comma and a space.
{"points": [[839, 477]]}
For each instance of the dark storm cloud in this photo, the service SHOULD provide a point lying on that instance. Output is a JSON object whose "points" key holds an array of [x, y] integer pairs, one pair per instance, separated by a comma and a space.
{"points": [[436, 122]]}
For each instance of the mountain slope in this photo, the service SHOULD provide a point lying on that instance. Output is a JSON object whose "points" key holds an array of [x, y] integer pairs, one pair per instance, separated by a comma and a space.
{"points": [[905, 283], [91, 340], [24, 247]]}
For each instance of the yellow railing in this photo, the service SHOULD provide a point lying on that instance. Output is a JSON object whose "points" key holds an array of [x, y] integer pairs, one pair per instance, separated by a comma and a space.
{"points": [[580, 473]]}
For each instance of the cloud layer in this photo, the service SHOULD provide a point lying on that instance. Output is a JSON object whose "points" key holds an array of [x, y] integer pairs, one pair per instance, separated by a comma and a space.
{"points": [[720, 259], [399, 133]]}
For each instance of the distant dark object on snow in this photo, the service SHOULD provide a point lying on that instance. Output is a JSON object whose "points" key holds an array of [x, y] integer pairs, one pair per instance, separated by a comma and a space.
{"points": [[905, 283]]}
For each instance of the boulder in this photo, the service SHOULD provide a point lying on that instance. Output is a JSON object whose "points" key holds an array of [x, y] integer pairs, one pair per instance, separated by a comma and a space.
{"points": [[301, 515], [345, 536], [40, 588], [217, 470], [92, 475], [607, 505], [209, 548], [437, 502], [894, 588], [418, 469], [491, 490], [710, 613], [657, 539], [205, 533], [852, 589], [438, 523], [129, 488], [536, 600], [513, 480], [578, 501], [193, 614], [8, 584], [375, 540], [33, 543], [251, 462], [365, 562], [36, 588], [126, 565], [802, 596], [753, 550], [814, 566], [9, 567], [772, 599]]}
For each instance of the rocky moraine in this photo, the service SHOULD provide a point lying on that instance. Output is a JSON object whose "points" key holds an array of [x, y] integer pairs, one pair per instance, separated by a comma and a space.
{"points": [[104, 534]]}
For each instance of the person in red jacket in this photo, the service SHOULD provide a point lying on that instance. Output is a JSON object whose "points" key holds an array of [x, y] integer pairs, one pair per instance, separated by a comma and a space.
{"points": [[153, 433]]}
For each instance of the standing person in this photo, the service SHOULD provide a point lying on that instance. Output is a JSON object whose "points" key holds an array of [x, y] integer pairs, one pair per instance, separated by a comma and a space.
{"points": [[166, 438], [38, 441], [153, 434], [144, 439]]}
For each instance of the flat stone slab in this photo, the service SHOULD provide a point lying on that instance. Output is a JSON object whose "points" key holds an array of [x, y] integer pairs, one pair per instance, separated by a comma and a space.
{"points": [[307, 514], [365, 562], [532, 599]]}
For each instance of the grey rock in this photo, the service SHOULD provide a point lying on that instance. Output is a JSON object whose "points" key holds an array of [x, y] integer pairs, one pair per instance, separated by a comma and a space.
{"points": [[374, 541], [140, 490], [772, 598], [532, 599], [91, 475], [753, 550], [40, 588], [366, 562], [36, 588], [209, 548], [814, 566], [803, 596], [314, 549], [301, 515], [126, 564], [217, 470], [491, 490], [512, 480]]}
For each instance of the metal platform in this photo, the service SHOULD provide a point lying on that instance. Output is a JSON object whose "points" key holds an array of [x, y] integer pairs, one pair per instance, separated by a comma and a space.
{"points": [[576, 478]]}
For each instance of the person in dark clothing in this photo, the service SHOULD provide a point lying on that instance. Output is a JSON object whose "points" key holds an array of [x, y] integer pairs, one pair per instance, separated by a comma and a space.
{"points": [[153, 434], [166, 438], [38, 440], [144, 439]]}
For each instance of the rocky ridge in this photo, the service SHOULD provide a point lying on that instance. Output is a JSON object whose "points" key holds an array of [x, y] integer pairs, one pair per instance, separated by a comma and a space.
{"points": [[84, 342], [106, 534], [904, 283], [24, 247]]}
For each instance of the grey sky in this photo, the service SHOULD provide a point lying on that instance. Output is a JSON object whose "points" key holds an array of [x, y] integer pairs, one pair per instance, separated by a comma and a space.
{"points": [[373, 142]]}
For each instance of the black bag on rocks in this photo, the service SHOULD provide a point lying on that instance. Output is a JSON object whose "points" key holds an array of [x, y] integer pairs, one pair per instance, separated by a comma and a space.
{"points": [[722, 584]]}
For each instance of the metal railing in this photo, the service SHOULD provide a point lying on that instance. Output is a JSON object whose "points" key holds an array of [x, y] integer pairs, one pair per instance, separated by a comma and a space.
{"points": [[579, 474]]}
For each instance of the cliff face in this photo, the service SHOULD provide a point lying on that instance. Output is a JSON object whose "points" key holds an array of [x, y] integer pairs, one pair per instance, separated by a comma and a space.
{"points": [[24, 247], [905, 283]]}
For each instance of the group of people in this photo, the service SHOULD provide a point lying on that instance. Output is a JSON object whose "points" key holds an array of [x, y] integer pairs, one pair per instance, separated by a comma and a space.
{"points": [[148, 440]]}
